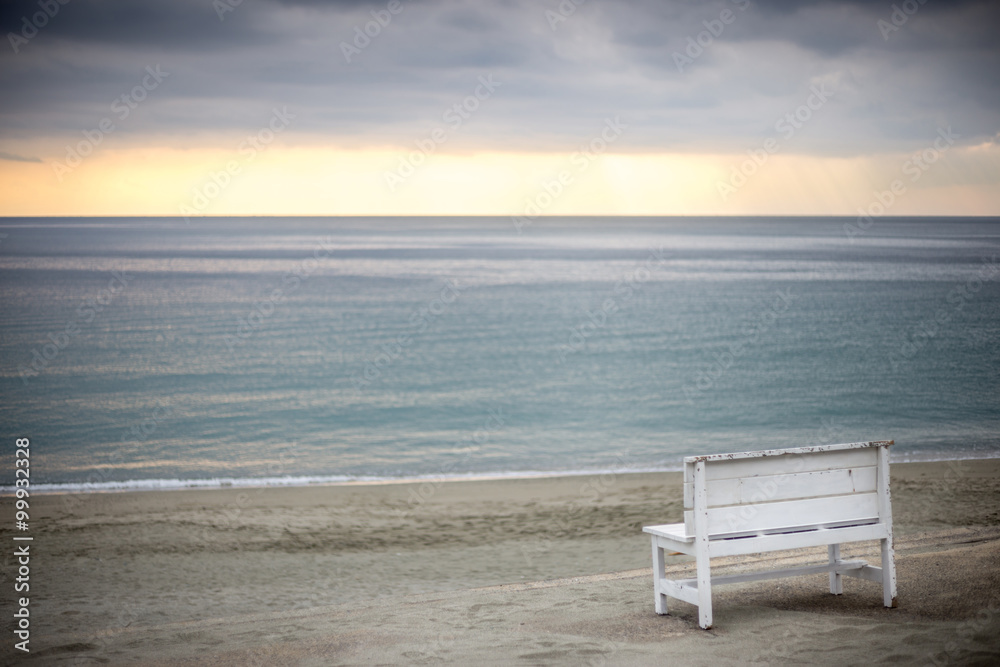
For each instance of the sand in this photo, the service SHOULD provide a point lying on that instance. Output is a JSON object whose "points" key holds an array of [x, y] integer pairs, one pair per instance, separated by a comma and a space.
{"points": [[530, 571]]}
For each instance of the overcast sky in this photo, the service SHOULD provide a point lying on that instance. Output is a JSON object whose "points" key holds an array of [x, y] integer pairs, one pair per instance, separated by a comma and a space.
{"points": [[880, 85]]}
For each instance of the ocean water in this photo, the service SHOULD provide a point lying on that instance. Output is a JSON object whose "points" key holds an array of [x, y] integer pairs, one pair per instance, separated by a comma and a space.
{"points": [[147, 353]]}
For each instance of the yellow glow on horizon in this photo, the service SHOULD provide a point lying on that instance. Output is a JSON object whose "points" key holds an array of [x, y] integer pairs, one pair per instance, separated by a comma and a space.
{"points": [[298, 180]]}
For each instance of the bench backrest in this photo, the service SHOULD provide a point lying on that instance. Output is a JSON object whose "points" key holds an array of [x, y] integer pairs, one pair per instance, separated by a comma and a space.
{"points": [[768, 491]]}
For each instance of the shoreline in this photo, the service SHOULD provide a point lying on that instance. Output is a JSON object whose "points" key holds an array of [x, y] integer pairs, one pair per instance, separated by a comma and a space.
{"points": [[174, 484]]}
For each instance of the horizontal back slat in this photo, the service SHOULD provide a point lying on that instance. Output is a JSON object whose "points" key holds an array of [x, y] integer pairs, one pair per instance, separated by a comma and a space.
{"points": [[810, 449], [788, 514], [791, 463], [771, 488]]}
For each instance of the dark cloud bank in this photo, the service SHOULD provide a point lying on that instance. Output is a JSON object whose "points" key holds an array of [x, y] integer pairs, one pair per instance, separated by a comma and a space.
{"points": [[686, 76]]}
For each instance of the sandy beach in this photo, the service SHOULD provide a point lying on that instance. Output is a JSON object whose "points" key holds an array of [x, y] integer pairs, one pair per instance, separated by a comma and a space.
{"points": [[525, 571]]}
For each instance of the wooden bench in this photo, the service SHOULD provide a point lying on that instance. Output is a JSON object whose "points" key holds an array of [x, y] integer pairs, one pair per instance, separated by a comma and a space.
{"points": [[778, 499]]}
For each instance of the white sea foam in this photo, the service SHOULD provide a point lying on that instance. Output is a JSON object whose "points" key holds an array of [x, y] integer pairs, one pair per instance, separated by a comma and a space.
{"points": [[347, 480]]}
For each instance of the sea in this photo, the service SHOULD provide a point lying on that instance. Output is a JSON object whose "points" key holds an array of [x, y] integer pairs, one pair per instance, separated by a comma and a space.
{"points": [[157, 353]]}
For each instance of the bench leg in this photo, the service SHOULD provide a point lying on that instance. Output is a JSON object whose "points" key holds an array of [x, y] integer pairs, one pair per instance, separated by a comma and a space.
{"points": [[701, 550], [888, 573], [704, 588], [660, 599], [836, 583], [885, 515]]}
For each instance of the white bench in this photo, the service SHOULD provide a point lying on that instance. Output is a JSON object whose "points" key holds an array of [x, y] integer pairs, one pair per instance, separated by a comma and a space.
{"points": [[777, 499]]}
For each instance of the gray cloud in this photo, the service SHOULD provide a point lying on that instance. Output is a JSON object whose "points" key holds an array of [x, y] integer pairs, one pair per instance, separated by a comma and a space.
{"points": [[606, 58], [17, 158]]}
